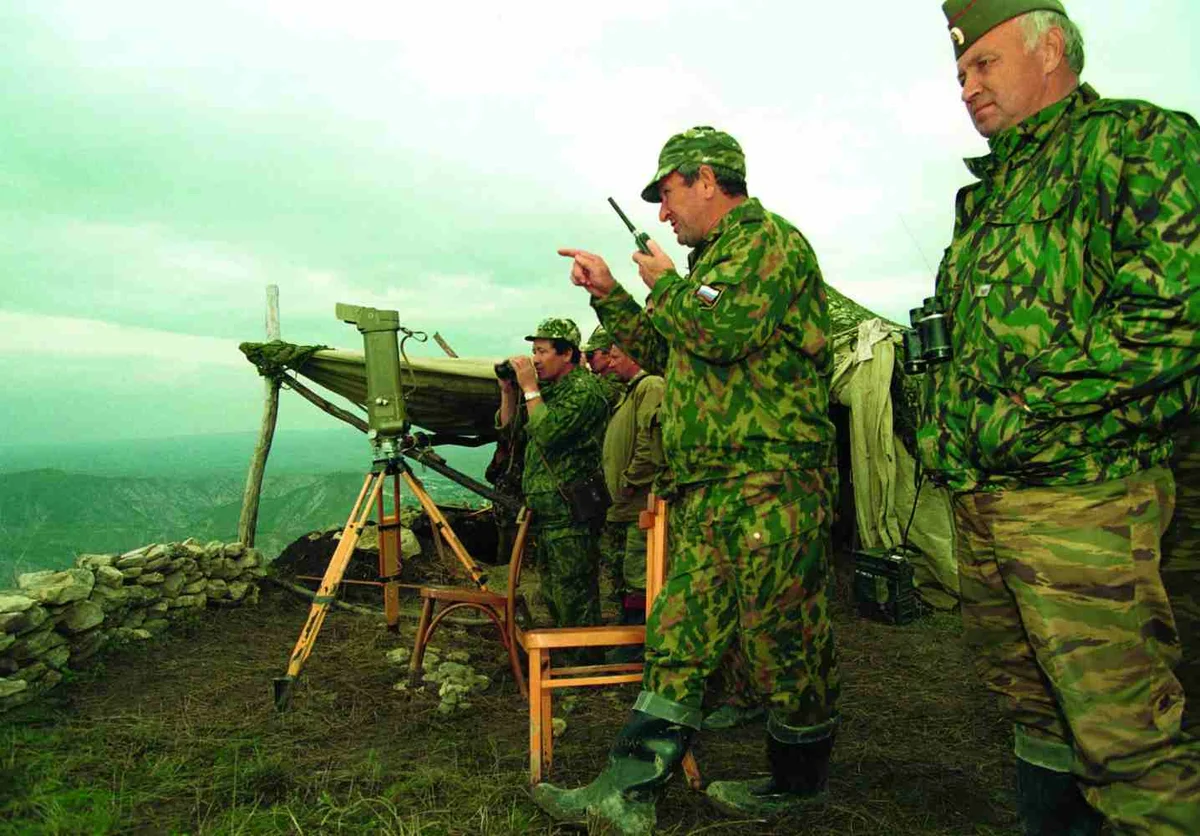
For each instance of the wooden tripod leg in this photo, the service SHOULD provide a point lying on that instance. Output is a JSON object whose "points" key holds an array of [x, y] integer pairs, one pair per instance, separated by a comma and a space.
{"points": [[691, 770], [389, 557], [369, 494], [438, 520]]}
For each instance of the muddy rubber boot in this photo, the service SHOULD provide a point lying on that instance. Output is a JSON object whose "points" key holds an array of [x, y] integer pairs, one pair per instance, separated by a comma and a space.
{"points": [[1050, 802], [799, 772], [642, 760]]}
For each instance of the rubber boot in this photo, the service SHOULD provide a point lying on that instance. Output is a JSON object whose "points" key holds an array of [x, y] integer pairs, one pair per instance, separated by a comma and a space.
{"points": [[730, 716], [642, 760], [799, 773], [1050, 803]]}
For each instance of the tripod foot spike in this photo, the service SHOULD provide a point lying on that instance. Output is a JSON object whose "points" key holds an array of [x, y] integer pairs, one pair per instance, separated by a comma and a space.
{"points": [[283, 691]]}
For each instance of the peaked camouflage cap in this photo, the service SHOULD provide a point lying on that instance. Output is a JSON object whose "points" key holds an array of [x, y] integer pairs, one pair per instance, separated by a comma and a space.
{"points": [[701, 145], [970, 20], [556, 328], [600, 340]]}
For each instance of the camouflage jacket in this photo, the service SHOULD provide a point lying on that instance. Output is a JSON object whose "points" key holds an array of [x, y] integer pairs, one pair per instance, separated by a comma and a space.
{"points": [[563, 438], [633, 456], [1071, 283], [743, 345]]}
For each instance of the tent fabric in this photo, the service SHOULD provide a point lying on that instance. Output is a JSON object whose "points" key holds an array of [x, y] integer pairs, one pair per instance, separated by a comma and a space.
{"points": [[452, 395], [882, 470]]}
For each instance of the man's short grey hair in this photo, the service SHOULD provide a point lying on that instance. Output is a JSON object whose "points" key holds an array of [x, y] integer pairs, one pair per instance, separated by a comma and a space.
{"points": [[1039, 23]]}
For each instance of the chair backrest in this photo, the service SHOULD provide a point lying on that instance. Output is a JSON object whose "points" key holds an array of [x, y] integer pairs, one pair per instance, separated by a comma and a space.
{"points": [[515, 559], [654, 521]]}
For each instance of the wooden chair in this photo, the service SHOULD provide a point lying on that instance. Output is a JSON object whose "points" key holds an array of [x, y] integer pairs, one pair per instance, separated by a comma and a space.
{"points": [[539, 644], [500, 609]]}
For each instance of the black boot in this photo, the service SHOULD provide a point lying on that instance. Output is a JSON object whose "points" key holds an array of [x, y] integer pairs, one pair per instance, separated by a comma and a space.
{"points": [[633, 613], [1050, 803], [644, 757], [799, 772]]}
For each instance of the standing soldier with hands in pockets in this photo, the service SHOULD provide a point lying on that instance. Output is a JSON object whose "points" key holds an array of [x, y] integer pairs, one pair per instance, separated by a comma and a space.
{"points": [[1071, 291], [742, 343]]}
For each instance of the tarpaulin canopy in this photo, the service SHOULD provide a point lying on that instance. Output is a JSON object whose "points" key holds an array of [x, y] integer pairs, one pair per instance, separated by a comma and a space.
{"points": [[451, 395]]}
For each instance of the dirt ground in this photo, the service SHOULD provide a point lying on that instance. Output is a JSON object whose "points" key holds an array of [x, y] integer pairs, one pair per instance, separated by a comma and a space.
{"points": [[182, 737]]}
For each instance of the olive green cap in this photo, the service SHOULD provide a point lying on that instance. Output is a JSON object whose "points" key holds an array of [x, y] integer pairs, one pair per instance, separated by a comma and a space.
{"points": [[701, 145], [970, 20], [556, 328], [600, 340]]}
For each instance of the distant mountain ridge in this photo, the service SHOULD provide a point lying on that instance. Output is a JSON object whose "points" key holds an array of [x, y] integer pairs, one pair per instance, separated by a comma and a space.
{"points": [[117, 498], [295, 451]]}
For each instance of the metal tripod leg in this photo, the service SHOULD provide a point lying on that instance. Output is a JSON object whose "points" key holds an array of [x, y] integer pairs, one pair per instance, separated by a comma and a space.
{"points": [[370, 494]]}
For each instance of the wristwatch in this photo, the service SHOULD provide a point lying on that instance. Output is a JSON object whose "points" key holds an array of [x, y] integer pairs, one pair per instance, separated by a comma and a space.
{"points": [[529, 396]]}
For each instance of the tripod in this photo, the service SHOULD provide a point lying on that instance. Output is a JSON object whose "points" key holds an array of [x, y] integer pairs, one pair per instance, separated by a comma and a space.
{"points": [[371, 494]]}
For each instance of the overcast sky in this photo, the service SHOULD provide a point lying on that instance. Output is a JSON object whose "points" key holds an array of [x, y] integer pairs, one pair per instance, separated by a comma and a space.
{"points": [[161, 163]]}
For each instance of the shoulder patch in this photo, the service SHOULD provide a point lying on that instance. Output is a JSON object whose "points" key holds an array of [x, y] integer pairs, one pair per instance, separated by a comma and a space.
{"points": [[708, 295]]}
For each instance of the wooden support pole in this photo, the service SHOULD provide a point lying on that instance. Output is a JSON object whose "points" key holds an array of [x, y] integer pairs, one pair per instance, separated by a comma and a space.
{"points": [[437, 338], [248, 522]]}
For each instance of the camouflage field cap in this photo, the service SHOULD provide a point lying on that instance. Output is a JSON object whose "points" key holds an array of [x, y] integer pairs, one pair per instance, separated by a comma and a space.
{"points": [[701, 145], [556, 328], [970, 20], [600, 340]]}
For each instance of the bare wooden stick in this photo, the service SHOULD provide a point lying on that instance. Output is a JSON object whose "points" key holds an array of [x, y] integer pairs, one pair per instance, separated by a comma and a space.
{"points": [[248, 522], [324, 405], [437, 338], [307, 594]]}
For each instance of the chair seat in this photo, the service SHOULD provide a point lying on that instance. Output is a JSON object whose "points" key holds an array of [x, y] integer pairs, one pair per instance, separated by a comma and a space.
{"points": [[466, 596], [607, 636]]}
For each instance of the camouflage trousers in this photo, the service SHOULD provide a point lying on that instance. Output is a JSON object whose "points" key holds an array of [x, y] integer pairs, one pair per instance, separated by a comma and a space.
{"points": [[1181, 567], [748, 570], [1064, 605], [623, 550], [568, 560]]}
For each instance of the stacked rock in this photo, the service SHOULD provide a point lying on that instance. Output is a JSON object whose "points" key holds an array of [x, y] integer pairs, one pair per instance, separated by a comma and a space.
{"points": [[59, 620]]}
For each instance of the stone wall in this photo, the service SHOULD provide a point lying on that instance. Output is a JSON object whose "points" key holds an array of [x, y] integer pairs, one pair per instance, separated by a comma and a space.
{"points": [[55, 621]]}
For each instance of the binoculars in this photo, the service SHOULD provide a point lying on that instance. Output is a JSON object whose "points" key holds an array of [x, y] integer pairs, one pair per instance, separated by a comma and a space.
{"points": [[505, 371], [928, 342]]}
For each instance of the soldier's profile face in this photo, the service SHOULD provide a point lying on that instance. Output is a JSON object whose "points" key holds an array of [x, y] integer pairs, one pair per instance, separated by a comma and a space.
{"points": [[549, 364], [683, 207], [1002, 81], [598, 360]]}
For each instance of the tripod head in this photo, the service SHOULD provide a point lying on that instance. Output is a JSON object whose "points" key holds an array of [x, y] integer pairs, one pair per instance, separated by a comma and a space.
{"points": [[387, 420]]}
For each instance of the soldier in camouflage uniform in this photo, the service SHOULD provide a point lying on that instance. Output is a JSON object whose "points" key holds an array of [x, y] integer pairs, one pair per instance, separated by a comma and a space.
{"points": [[742, 342], [1071, 291], [633, 460], [596, 352], [564, 429], [612, 536]]}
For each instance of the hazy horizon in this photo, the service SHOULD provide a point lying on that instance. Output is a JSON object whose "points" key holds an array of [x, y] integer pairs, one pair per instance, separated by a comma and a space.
{"points": [[163, 163]]}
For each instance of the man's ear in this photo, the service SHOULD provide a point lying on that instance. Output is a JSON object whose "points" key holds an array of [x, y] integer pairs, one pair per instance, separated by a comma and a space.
{"points": [[1054, 50], [708, 178]]}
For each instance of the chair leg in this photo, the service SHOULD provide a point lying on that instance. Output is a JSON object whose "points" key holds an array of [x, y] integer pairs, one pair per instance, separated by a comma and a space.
{"points": [[547, 717], [514, 661], [418, 654], [536, 693]]}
